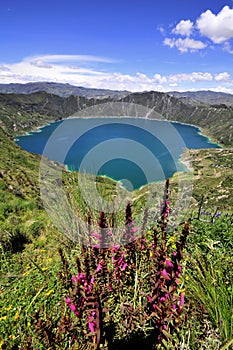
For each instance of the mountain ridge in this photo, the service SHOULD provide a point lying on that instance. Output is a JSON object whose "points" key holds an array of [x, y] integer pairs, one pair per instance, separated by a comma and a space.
{"points": [[65, 90], [60, 89], [20, 113]]}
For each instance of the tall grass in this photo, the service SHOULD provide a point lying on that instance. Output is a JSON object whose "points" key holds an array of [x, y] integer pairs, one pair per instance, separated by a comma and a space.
{"points": [[211, 286]]}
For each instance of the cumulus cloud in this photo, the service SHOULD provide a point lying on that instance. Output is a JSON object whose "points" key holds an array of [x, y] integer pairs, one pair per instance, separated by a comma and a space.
{"points": [[184, 27], [225, 76], [184, 45], [218, 28], [76, 73], [192, 77], [158, 79]]}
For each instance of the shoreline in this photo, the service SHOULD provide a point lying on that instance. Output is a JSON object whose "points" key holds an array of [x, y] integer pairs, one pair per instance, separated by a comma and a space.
{"points": [[201, 131], [182, 160]]}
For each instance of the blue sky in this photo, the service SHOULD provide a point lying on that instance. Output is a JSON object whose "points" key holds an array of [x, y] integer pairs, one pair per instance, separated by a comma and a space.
{"points": [[132, 45]]}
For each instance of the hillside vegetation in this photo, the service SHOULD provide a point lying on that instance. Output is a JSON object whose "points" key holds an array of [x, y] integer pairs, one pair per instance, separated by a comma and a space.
{"points": [[167, 289]]}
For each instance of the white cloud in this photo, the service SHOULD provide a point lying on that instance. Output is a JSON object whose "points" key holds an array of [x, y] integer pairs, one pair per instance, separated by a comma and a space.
{"points": [[158, 79], [76, 73], [161, 29], [218, 28], [225, 76], [66, 58], [4, 68], [184, 27], [227, 47], [192, 77], [222, 89], [40, 63], [184, 45]]}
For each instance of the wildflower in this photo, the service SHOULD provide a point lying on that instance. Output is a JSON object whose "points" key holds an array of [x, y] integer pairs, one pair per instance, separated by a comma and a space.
{"points": [[99, 267], [44, 268], [49, 292], [149, 299], [72, 307], [68, 301], [17, 315], [2, 318], [8, 308], [81, 277], [26, 273], [182, 299], [12, 336], [74, 279], [165, 274], [91, 322], [91, 326], [124, 266], [96, 235], [135, 229], [169, 263]]}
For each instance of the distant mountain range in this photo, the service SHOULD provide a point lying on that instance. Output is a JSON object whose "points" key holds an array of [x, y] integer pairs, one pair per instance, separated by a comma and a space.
{"points": [[63, 90], [193, 98], [204, 97]]}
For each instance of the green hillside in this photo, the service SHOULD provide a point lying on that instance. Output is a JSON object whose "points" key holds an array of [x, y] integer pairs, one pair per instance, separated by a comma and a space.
{"points": [[187, 269]]}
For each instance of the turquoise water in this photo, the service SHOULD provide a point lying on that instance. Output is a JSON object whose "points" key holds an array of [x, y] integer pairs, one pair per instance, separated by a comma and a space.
{"points": [[131, 150]]}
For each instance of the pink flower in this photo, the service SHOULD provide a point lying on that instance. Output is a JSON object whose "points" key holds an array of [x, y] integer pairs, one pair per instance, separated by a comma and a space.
{"points": [[99, 267], [68, 301], [149, 299], [165, 297], [169, 263], [124, 266], [91, 327], [81, 277], [72, 307], [182, 299], [74, 279], [96, 235], [135, 229], [162, 299], [165, 274]]}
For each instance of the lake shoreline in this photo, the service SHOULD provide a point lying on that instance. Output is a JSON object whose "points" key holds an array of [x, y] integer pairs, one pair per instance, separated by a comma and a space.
{"points": [[202, 131]]}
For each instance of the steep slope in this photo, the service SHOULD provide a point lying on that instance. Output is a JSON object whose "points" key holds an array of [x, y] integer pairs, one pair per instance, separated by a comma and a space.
{"points": [[24, 112], [204, 97], [217, 120]]}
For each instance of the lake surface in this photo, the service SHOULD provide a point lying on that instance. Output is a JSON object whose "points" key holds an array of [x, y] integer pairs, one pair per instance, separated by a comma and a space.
{"points": [[132, 150]]}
